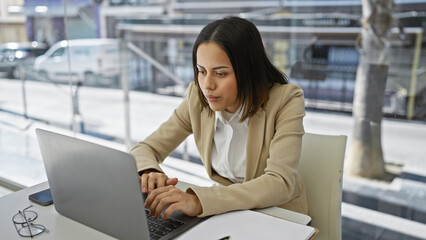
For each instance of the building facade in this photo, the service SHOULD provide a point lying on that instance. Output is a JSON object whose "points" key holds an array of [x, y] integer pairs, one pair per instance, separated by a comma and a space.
{"points": [[12, 21]]}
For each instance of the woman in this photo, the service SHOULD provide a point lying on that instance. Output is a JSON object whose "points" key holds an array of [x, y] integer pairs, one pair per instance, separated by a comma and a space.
{"points": [[247, 125]]}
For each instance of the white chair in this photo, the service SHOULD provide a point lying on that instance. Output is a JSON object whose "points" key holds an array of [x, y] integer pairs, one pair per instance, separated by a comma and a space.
{"points": [[321, 166]]}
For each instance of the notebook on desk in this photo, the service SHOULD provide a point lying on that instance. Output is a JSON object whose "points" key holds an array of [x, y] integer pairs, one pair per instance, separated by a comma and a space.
{"points": [[247, 224], [99, 187]]}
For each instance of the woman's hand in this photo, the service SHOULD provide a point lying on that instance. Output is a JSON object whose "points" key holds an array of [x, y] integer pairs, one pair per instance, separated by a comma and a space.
{"points": [[151, 179], [173, 199]]}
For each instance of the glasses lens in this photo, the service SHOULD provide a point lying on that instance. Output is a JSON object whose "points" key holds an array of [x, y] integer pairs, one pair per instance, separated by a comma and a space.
{"points": [[19, 217], [32, 230]]}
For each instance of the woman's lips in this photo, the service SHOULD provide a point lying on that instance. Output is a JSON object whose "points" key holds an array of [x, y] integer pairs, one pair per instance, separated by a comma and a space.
{"points": [[212, 98]]}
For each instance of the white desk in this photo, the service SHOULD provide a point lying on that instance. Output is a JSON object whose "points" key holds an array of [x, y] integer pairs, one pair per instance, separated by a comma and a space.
{"points": [[61, 227]]}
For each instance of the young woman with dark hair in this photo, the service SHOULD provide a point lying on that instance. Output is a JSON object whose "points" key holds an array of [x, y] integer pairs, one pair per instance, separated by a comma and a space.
{"points": [[247, 123]]}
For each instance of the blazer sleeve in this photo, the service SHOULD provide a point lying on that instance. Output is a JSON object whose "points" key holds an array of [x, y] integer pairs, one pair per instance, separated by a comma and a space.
{"points": [[156, 147], [277, 183]]}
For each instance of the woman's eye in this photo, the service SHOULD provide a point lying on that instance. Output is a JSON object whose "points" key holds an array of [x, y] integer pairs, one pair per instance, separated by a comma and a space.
{"points": [[221, 74], [201, 71]]}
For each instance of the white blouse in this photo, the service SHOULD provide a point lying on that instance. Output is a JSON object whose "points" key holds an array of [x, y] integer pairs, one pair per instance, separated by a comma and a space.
{"points": [[229, 145]]}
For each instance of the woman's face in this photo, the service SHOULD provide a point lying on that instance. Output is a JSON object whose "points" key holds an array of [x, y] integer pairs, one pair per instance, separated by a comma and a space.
{"points": [[216, 78]]}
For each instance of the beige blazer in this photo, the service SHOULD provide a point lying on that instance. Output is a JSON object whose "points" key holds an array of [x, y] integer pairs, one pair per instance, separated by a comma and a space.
{"points": [[274, 143]]}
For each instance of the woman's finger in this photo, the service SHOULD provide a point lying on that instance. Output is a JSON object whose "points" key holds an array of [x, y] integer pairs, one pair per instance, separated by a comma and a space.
{"points": [[151, 182], [165, 201], [152, 197], [171, 181], [160, 180], [178, 206], [144, 183]]}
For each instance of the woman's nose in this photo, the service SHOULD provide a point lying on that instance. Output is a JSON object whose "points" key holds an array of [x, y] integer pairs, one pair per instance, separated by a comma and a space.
{"points": [[209, 82]]}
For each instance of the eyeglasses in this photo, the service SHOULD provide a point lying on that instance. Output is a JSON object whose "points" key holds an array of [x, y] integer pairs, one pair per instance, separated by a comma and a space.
{"points": [[24, 225]]}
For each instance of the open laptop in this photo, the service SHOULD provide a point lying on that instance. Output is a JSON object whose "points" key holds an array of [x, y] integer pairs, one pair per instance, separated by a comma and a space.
{"points": [[99, 187]]}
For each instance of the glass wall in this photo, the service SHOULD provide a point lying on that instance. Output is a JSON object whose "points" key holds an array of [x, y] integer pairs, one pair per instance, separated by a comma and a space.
{"points": [[112, 71]]}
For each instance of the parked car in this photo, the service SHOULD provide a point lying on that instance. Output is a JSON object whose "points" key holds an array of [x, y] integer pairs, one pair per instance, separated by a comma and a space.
{"points": [[93, 62], [13, 54]]}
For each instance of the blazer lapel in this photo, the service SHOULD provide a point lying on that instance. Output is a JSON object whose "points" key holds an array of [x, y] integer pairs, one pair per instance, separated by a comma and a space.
{"points": [[207, 139], [255, 135]]}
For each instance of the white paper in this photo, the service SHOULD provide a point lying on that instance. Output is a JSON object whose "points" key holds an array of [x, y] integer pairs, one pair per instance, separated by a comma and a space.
{"points": [[246, 224]]}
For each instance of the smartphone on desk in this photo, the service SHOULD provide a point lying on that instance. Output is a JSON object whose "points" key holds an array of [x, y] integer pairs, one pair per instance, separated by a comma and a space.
{"points": [[43, 198]]}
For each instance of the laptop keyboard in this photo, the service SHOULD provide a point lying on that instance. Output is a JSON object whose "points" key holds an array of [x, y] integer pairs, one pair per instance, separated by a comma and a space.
{"points": [[159, 227]]}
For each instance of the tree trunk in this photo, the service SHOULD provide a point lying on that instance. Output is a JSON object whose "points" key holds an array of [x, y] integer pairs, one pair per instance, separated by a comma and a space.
{"points": [[365, 156]]}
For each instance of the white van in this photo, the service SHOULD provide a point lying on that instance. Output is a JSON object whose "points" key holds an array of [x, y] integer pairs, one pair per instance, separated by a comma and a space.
{"points": [[93, 61]]}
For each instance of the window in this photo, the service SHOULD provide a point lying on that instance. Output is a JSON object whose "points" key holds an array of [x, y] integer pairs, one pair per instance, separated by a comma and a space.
{"points": [[148, 53]]}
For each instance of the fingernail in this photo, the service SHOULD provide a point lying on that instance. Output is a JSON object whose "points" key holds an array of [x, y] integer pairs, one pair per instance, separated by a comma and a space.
{"points": [[144, 189]]}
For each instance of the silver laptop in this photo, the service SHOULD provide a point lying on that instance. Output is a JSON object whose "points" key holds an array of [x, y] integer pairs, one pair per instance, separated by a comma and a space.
{"points": [[99, 187]]}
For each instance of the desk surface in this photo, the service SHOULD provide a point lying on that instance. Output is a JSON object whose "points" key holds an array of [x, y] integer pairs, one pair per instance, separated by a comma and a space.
{"points": [[61, 227]]}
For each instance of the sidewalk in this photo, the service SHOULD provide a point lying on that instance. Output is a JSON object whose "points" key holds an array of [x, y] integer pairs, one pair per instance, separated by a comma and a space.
{"points": [[102, 112], [367, 203]]}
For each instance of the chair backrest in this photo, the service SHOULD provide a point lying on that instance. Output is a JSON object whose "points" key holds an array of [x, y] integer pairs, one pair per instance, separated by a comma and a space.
{"points": [[321, 166]]}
